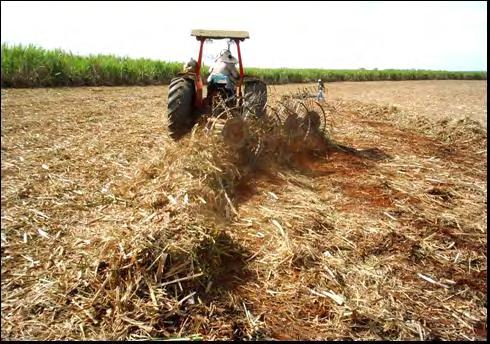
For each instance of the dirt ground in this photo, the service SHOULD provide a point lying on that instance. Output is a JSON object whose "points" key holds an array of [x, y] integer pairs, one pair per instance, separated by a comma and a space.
{"points": [[384, 241]]}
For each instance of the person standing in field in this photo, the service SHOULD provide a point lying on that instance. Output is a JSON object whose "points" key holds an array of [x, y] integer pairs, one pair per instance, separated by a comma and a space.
{"points": [[321, 89]]}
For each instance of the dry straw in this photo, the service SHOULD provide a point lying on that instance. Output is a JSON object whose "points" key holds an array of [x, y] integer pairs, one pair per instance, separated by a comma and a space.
{"points": [[112, 231]]}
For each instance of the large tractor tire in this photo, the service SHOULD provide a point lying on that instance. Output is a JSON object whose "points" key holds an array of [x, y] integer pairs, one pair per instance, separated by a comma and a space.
{"points": [[255, 97], [180, 108]]}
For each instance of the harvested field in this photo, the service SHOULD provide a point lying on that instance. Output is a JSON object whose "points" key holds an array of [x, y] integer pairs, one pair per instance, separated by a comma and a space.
{"points": [[110, 230], [434, 99]]}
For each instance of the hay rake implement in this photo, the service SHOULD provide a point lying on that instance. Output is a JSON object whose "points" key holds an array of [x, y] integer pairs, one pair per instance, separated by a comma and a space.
{"points": [[298, 124]]}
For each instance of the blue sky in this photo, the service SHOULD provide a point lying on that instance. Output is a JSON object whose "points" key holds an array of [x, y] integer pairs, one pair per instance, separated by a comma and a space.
{"points": [[335, 35]]}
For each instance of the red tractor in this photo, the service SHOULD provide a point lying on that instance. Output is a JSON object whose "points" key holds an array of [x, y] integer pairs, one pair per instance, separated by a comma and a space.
{"points": [[186, 101]]}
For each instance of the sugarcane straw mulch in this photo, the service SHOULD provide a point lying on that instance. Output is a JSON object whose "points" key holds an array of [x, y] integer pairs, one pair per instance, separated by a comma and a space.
{"points": [[375, 229]]}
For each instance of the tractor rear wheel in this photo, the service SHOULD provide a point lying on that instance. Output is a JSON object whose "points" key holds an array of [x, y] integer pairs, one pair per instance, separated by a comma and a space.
{"points": [[180, 109], [255, 97]]}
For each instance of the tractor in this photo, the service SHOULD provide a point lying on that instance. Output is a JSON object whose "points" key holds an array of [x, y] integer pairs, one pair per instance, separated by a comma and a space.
{"points": [[187, 102]]}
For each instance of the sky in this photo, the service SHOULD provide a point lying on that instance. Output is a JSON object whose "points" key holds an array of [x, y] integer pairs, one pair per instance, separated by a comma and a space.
{"points": [[294, 34]]}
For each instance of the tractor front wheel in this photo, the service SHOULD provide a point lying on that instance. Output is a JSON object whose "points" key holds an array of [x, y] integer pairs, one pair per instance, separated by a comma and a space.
{"points": [[180, 108]]}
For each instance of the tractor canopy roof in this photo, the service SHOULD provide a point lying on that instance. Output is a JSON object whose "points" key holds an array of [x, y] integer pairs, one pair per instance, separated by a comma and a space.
{"points": [[220, 34]]}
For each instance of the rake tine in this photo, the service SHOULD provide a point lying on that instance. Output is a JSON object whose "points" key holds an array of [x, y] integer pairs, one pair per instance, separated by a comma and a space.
{"points": [[275, 113], [324, 117]]}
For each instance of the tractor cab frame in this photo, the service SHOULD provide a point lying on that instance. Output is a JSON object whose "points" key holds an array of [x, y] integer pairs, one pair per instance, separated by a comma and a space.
{"points": [[186, 103], [202, 36]]}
